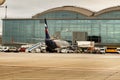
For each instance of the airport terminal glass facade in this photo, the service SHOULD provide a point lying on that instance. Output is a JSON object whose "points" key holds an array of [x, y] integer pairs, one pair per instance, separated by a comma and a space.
{"points": [[105, 25]]}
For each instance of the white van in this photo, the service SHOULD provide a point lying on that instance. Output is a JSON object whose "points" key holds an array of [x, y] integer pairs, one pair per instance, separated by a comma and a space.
{"points": [[102, 50], [118, 50], [5, 48]]}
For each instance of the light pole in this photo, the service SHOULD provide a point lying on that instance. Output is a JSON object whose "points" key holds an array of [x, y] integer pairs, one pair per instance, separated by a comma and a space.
{"points": [[2, 1], [5, 11], [99, 39]]}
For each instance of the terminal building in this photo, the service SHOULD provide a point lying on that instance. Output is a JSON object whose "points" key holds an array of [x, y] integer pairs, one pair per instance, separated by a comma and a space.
{"points": [[69, 23]]}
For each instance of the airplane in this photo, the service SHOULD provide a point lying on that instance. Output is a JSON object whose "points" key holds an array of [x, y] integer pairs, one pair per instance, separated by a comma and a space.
{"points": [[54, 44]]}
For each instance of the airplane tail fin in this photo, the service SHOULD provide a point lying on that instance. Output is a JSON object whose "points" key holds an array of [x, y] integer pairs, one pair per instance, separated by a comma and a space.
{"points": [[47, 36]]}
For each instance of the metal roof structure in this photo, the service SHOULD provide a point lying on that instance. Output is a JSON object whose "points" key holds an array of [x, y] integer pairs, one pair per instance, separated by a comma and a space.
{"points": [[115, 8], [86, 12], [83, 11]]}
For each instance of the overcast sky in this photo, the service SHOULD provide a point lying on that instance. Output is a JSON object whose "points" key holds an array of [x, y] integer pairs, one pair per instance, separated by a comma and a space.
{"points": [[28, 8]]}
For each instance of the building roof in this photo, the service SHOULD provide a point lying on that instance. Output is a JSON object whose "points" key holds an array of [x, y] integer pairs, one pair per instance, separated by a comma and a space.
{"points": [[115, 8], [83, 11], [88, 13]]}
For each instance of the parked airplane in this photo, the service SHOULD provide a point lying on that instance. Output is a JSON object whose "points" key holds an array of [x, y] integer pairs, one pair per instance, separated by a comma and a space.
{"points": [[53, 44]]}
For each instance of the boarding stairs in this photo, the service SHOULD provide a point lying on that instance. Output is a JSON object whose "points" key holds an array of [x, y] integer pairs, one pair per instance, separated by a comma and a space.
{"points": [[33, 47]]}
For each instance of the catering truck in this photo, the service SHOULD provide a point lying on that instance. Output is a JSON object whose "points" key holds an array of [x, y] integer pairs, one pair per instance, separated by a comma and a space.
{"points": [[85, 43], [86, 46]]}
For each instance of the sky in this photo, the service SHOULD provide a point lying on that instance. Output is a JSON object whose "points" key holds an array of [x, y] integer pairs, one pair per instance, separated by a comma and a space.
{"points": [[28, 8]]}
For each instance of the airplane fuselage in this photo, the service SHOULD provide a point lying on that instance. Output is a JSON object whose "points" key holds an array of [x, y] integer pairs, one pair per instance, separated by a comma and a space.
{"points": [[52, 44]]}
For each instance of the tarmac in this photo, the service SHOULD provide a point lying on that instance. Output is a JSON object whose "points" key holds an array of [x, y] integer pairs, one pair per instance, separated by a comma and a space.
{"points": [[54, 66]]}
